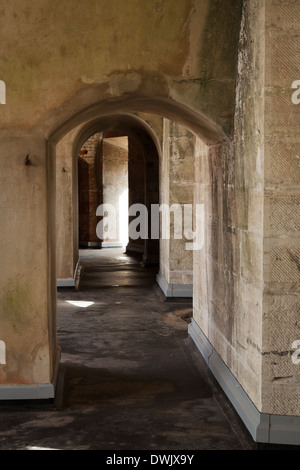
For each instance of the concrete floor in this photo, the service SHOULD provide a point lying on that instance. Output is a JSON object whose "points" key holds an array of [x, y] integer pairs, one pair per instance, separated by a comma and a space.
{"points": [[127, 378]]}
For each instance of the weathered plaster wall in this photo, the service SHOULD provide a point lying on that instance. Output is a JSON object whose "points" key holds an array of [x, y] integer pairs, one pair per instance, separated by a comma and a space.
{"points": [[24, 295], [246, 294], [154, 48], [249, 193], [228, 271]]}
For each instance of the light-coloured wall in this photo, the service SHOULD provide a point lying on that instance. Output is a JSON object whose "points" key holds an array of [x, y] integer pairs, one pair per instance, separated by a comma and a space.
{"points": [[176, 188], [66, 208], [246, 278], [281, 299], [228, 271], [25, 296], [115, 181], [163, 58]]}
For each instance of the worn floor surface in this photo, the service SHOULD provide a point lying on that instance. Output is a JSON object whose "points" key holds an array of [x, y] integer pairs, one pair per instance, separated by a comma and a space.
{"points": [[127, 378]]}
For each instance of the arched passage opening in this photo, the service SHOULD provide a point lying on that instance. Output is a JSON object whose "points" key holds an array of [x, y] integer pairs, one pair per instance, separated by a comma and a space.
{"points": [[204, 261], [131, 124], [143, 177], [90, 121], [135, 323], [103, 181], [44, 369]]}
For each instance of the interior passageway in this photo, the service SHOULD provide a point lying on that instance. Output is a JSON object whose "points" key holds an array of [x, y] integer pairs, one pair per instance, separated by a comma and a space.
{"points": [[127, 378]]}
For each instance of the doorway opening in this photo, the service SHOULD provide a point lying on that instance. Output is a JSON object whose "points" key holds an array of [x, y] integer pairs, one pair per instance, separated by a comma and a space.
{"points": [[117, 281], [102, 188]]}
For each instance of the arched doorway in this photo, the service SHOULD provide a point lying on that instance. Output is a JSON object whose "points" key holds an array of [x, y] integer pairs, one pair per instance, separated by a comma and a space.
{"points": [[99, 115]]}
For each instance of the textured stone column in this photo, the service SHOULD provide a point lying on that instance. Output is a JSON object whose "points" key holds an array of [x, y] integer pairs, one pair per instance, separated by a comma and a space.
{"points": [[27, 299], [66, 210], [247, 298], [281, 301], [177, 185]]}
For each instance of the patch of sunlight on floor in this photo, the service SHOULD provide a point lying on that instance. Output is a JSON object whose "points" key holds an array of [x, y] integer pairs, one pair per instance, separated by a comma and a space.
{"points": [[39, 448], [80, 303]]}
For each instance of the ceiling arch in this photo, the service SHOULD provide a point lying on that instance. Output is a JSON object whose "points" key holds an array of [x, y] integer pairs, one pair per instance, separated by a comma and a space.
{"points": [[196, 123]]}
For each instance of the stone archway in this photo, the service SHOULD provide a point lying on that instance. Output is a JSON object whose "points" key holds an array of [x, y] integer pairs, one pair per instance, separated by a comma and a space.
{"points": [[67, 151], [97, 115]]}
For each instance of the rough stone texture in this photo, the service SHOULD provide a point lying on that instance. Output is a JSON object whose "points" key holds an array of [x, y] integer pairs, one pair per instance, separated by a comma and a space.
{"points": [[248, 273], [228, 274], [177, 186], [225, 293], [281, 300], [249, 180]]}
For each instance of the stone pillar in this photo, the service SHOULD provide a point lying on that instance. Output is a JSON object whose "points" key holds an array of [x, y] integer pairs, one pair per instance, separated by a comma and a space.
{"points": [[246, 306], [177, 184], [201, 265], [27, 298], [66, 211]]}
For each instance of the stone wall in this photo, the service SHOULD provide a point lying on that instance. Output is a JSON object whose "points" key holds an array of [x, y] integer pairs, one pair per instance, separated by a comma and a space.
{"points": [[246, 279], [281, 300], [228, 271]]}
